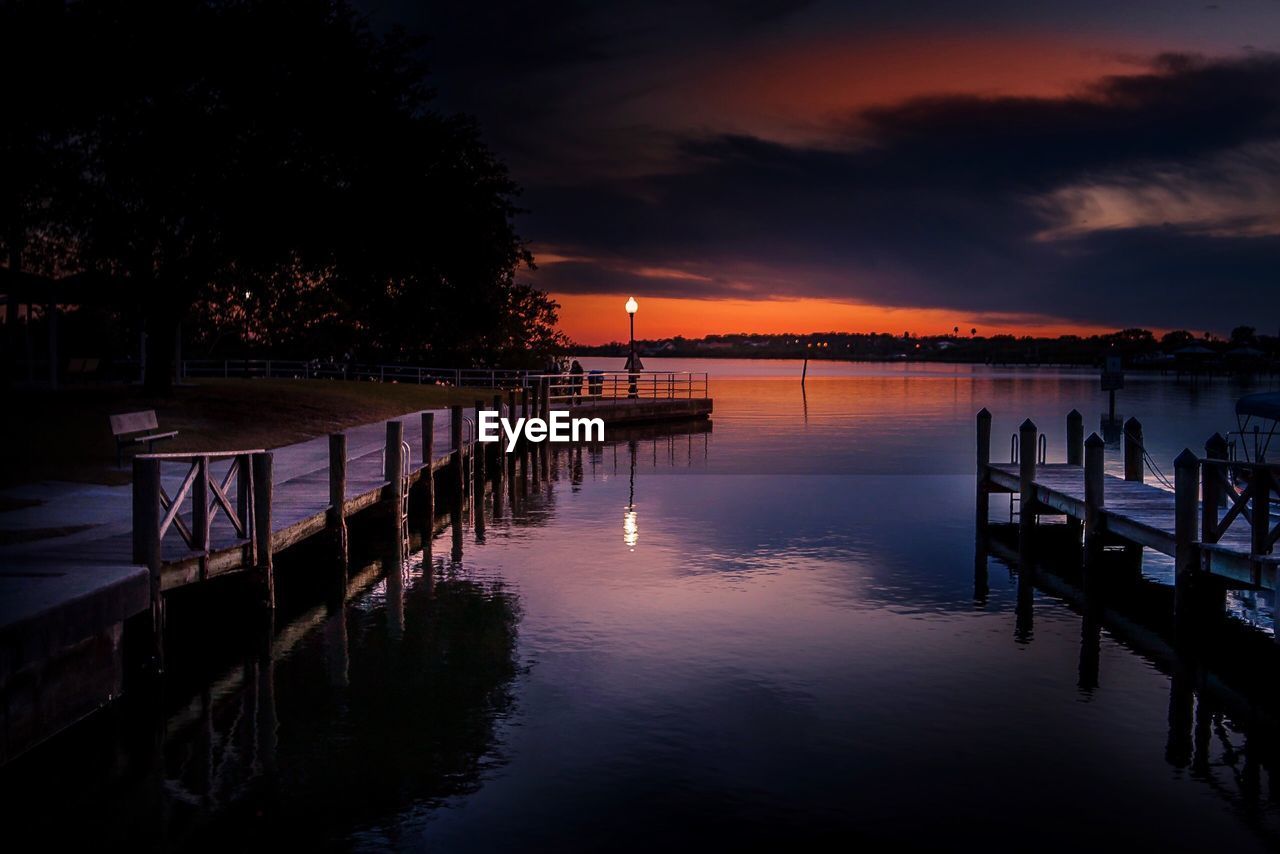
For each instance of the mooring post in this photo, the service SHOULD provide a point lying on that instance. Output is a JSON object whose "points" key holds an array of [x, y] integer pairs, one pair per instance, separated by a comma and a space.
{"points": [[262, 488], [393, 461], [1095, 450], [455, 442], [428, 479], [1075, 438], [1186, 484], [337, 520], [1027, 466], [146, 544], [1215, 449], [1133, 466]]}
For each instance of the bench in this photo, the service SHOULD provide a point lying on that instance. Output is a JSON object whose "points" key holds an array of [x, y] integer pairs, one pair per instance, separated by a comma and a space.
{"points": [[135, 428]]}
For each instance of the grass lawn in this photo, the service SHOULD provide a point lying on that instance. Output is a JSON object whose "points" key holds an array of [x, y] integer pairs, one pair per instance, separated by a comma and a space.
{"points": [[64, 435]]}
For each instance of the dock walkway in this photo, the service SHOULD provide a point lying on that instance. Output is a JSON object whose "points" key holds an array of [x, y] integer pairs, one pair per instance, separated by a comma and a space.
{"points": [[1219, 542]]}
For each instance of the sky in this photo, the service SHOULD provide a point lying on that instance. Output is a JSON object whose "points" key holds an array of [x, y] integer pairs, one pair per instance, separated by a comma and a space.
{"points": [[789, 166]]}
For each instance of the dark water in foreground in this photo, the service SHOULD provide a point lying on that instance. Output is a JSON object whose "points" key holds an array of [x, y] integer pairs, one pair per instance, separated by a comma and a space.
{"points": [[712, 639]]}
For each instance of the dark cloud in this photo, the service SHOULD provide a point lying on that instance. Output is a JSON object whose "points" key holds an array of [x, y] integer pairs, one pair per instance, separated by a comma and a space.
{"points": [[947, 201], [981, 204]]}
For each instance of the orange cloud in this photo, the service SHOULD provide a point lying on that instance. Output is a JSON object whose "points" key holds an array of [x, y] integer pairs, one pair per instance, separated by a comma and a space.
{"points": [[797, 90]]}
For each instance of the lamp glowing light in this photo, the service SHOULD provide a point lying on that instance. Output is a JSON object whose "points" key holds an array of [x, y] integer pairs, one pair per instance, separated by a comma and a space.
{"points": [[632, 305]]}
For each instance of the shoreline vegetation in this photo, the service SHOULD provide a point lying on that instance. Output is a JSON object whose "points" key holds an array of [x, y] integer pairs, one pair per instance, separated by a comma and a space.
{"points": [[1243, 351], [65, 436]]}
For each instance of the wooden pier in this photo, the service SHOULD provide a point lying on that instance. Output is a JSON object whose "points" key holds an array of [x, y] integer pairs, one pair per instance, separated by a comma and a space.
{"points": [[1215, 522], [193, 518]]}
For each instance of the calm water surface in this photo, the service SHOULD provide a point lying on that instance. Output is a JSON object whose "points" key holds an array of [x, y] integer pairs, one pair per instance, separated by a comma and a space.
{"points": [[710, 638]]}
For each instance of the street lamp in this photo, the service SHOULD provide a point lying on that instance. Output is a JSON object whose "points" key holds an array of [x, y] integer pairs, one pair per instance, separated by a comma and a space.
{"points": [[632, 308], [248, 295]]}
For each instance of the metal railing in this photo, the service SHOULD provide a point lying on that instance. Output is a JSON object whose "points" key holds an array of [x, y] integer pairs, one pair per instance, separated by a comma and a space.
{"points": [[622, 385], [299, 369]]}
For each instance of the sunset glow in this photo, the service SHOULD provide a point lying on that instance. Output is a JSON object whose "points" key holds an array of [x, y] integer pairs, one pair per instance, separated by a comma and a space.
{"points": [[600, 319]]}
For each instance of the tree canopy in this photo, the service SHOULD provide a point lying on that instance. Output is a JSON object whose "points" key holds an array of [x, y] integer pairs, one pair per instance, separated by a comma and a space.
{"points": [[271, 168]]}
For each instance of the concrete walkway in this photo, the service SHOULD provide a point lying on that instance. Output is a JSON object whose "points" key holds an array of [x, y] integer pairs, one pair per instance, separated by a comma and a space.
{"points": [[93, 568]]}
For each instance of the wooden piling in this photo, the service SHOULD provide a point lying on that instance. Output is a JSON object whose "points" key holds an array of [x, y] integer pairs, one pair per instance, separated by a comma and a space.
{"points": [[1094, 494], [1027, 464], [337, 520], [1186, 482], [393, 462], [1075, 438], [262, 489], [1133, 451], [147, 514], [428, 479]]}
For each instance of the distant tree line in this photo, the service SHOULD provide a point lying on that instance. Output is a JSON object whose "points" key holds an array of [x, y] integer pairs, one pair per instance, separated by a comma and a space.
{"points": [[264, 172], [1136, 347]]}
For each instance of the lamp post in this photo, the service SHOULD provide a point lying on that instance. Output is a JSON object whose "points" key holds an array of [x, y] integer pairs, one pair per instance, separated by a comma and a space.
{"points": [[632, 308], [247, 296]]}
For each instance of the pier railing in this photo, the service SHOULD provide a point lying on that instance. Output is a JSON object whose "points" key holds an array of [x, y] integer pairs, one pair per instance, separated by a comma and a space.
{"points": [[298, 369], [241, 496], [568, 389], [1235, 490]]}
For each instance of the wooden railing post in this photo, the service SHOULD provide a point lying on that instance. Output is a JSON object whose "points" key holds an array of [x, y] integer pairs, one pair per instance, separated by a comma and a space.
{"points": [[147, 513], [1133, 464], [1215, 448], [244, 493], [1211, 491], [337, 519], [1260, 510], [200, 506], [1075, 438], [262, 489], [1094, 492], [1186, 482]]}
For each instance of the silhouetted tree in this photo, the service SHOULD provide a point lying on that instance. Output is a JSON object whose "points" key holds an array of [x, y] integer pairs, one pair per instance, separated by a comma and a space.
{"points": [[1243, 335], [283, 149]]}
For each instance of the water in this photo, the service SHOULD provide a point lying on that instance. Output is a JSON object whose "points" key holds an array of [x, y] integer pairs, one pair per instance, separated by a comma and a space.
{"points": [[704, 638]]}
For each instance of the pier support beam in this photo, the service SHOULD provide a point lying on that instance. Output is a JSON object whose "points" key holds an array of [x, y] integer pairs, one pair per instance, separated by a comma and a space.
{"points": [[459, 480], [337, 520], [1026, 480]]}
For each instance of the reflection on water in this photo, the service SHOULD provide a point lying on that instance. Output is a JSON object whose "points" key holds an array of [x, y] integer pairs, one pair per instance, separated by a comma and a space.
{"points": [[779, 647]]}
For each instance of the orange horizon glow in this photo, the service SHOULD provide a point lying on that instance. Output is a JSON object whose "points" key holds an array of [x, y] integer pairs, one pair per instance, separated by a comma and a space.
{"points": [[601, 319]]}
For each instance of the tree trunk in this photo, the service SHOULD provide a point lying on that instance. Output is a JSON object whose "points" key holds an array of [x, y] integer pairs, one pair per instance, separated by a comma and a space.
{"points": [[162, 330]]}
